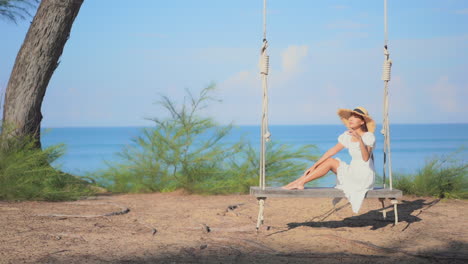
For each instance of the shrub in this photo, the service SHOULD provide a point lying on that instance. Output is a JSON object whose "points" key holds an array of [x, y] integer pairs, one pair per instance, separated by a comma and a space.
{"points": [[26, 174], [186, 151], [442, 177]]}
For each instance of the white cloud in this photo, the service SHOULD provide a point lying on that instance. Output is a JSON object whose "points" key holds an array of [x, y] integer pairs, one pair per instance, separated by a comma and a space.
{"points": [[240, 77], [445, 95], [240, 84], [431, 85], [309, 88], [401, 98], [292, 59], [242, 92], [308, 83], [292, 63], [322, 103], [404, 101], [241, 95]]}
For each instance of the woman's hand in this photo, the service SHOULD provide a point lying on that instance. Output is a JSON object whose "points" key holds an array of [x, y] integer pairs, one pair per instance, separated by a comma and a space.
{"points": [[355, 134]]}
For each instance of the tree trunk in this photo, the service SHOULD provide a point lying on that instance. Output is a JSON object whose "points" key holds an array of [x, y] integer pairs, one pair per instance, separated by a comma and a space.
{"points": [[35, 64]]}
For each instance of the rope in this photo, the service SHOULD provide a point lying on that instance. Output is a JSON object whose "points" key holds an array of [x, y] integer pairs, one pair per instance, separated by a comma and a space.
{"points": [[386, 132], [385, 23], [264, 19], [383, 131], [265, 132], [386, 76]]}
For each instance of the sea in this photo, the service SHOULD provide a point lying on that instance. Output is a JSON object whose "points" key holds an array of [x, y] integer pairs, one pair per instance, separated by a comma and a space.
{"points": [[89, 149]]}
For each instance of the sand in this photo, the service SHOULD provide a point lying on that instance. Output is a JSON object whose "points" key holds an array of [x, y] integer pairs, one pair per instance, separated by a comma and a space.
{"points": [[180, 228]]}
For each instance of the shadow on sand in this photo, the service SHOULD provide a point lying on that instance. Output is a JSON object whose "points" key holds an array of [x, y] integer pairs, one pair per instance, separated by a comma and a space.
{"points": [[232, 252], [452, 253], [374, 218]]}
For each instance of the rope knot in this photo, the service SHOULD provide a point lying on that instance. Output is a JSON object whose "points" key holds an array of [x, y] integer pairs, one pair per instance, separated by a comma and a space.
{"points": [[264, 63], [387, 66], [264, 46]]}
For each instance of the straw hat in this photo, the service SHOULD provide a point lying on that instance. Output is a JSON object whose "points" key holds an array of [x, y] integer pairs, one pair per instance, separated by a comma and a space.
{"points": [[344, 114]]}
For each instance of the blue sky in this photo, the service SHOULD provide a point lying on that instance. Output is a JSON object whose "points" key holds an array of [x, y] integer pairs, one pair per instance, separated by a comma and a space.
{"points": [[324, 55]]}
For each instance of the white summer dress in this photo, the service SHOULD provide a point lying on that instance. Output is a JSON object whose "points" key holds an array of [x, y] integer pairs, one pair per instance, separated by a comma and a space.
{"points": [[358, 177]]}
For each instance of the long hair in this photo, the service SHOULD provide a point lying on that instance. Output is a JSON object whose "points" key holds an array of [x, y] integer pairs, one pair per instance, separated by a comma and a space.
{"points": [[364, 127]]}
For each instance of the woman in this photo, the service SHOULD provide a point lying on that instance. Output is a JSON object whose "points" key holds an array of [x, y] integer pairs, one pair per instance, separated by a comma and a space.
{"points": [[356, 178]]}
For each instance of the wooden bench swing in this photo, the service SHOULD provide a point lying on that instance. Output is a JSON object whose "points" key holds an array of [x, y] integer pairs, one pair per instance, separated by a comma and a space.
{"points": [[262, 192]]}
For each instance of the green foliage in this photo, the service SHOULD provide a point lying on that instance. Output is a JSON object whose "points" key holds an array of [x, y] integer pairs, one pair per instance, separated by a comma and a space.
{"points": [[440, 177], [185, 151], [283, 163], [25, 173], [13, 10]]}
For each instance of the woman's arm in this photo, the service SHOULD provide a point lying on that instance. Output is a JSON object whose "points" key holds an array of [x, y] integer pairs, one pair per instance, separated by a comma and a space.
{"points": [[365, 150], [331, 152]]}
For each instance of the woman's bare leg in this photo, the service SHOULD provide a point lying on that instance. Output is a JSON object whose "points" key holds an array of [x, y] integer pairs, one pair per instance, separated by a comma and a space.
{"points": [[306, 172], [330, 164], [309, 170]]}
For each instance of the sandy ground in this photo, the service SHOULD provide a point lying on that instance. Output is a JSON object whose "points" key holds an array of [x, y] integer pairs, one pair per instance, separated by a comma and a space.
{"points": [[173, 228]]}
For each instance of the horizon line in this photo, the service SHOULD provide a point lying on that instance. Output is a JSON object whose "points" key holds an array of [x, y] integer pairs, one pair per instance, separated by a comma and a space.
{"points": [[236, 125]]}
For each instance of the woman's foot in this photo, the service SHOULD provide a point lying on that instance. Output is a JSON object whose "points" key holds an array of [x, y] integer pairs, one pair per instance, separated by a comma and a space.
{"points": [[293, 183], [298, 183], [296, 186]]}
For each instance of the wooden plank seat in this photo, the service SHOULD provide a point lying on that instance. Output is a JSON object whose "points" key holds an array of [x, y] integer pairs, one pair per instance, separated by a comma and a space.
{"points": [[318, 192], [322, 192]]}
